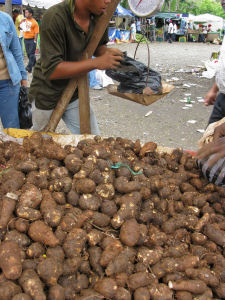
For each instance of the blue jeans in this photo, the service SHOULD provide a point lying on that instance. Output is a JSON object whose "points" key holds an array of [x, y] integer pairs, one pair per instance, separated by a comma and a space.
{"points": [[30, 46], [71, 118], [9, 97]]}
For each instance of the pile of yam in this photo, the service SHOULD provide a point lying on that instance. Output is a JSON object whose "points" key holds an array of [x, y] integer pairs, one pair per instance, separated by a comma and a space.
{"points": [[108, 219]]}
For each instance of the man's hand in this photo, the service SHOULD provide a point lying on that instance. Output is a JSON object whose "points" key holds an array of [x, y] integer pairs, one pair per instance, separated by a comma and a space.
{"points": [[210, 97], [23, 83], [217, 148], [108, 61], [115, 51]]}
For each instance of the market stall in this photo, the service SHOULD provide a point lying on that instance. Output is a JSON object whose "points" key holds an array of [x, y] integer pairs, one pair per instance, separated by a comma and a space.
{"points": [[120, 32], [163, 18]]}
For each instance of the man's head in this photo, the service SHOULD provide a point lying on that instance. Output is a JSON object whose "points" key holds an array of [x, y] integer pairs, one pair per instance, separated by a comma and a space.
{"points": [[223, 4], [16, 12], [29, 13], [97, 7]]}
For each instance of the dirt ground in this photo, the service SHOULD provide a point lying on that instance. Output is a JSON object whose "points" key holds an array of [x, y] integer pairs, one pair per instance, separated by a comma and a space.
{"points": [[167, 124]]}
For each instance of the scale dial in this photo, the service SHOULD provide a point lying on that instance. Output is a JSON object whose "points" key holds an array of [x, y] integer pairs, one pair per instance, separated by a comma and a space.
{"points": [[145, 8]]}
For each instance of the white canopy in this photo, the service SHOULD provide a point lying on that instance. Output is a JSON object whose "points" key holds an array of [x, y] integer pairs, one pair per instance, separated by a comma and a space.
{"points": [[41, 3], [215, 21]]}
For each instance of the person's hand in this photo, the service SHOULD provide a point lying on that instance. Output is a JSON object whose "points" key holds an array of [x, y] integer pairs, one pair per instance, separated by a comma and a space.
{"points": [[108, 61], [115, 51], [210, 97], [23, 82], [217, 148], [219, 132]]}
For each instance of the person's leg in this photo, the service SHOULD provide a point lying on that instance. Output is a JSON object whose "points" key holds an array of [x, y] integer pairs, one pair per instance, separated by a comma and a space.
{"points": [[40, 118], [218, 110], [72, 119], [32, 56], [9, 97], [28, 50]]}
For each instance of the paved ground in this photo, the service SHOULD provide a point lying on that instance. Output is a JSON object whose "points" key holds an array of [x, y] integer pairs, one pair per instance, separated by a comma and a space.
{"points": [[168, 123]]}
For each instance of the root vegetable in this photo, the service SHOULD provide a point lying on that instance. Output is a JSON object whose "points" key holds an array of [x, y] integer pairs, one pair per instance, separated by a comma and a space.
{"points": [[40, 232], [21, 225], [141, 293], [71, 265], [181, 295], [202, 222], [124, 186], [106, 287], [220, 290], [10, 260], [94, 237], [110, 252], [85, 186], [149, 256], [122, 294], [32, 285], [203, 274], [35, 250], [56, 292], [49, 270], [7, 206], [21, 296], [160, 292], [73, 163], [192, 286], [215, 235], [105, 191], [74, 242], [139, 279], [89, 201], [130, 232], [8, 290]]}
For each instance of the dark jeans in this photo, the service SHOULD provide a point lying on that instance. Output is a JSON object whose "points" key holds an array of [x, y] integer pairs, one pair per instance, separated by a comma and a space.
{"points": [[30, 46], [218, 112], [170, 37]]}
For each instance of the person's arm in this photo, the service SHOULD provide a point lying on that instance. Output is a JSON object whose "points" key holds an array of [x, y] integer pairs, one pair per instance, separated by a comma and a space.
{"points": [[217, 147], [36, 31], [105, 61], [210, 97], [35, 37], [17, 53]]}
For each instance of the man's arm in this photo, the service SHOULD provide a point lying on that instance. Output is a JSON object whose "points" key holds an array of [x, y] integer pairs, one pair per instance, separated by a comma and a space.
{"points": [[107, 60], [35, 37], [210, 97]]}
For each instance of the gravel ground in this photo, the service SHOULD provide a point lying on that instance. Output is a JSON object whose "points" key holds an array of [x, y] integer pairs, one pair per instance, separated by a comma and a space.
{"points": [[168, 123]]}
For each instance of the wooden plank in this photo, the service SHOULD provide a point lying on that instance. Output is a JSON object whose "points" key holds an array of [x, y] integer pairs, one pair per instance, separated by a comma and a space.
{"points": [[99, 30], [84, 105]]}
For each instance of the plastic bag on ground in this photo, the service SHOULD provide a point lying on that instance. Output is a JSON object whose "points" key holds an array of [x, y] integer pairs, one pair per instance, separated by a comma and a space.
{"points": [[133, 77], [25, 112]]}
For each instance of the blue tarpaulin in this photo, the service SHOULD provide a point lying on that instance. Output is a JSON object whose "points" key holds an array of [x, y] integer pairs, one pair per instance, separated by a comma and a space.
{"points": [[14, 2], [121, 11]]}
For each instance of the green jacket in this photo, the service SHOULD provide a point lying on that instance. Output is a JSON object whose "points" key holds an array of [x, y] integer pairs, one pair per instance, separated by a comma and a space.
{"points": [[61, 39]]}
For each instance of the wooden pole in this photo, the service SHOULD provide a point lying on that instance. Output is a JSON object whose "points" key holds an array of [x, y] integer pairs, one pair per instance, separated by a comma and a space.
{"points": [[72, 85]]}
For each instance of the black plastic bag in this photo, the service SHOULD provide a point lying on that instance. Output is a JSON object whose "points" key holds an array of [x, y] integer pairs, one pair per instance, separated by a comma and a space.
{"points": [[25, 111], [133, 76]]}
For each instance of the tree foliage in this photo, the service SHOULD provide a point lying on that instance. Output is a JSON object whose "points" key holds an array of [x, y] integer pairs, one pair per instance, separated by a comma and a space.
{"points": [[196, 7]]}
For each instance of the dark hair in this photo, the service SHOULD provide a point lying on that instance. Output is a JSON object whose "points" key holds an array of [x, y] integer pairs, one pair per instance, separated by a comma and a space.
{"points": [[30, 10], [16, 11]]}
